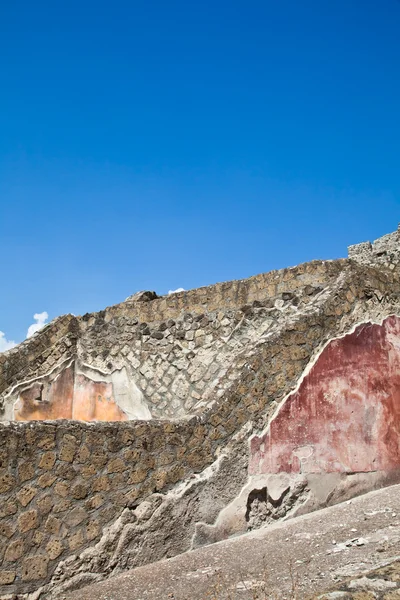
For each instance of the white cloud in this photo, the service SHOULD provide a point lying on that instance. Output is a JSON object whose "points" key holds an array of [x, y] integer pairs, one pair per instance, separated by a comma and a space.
{"points": [[40, 319], [5, 344], [176, 291]]}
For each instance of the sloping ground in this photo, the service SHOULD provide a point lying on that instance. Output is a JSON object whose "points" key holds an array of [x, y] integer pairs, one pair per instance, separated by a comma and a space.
{"points": [[331, 549], [382, 583]]}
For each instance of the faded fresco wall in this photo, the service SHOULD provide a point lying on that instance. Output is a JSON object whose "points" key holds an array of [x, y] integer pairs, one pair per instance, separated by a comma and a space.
{"points": [[345, 416], [80, 393]]}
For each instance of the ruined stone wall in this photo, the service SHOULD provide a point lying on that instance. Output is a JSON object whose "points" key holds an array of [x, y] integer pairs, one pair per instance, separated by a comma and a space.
{"points": [[83, 500], [384, 252], [61, 483], [161, 358]]}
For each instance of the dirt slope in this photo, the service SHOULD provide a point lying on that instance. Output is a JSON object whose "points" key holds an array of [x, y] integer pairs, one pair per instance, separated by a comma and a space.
{"points": [[312, 553]]}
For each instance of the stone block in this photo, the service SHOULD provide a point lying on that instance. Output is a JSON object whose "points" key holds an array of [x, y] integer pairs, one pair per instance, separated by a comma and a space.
{"points": [[54, 548], [68, 449], [8, 508], [138, 475], [7, 577], [62, 489], [7, 481], [7, 529], [116, 465], [101, 484], [14, 550], [27, 521], [46, 480], [76, 516], [25, 495], [75, 540], [45, 504], [34, 568], [26, 470], [92, 530], [79, 491], [47, 461], [52, 524], [38, 538]]}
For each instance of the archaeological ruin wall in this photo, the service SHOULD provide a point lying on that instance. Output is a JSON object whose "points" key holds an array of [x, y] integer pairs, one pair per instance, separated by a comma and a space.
{"points": [[161, 424]]}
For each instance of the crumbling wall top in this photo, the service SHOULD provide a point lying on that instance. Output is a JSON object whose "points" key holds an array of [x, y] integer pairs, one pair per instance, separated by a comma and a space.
{"points": [[384, 251]]}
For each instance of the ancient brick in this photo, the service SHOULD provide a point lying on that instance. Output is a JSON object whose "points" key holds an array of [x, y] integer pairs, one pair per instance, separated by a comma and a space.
{"points": [[62, 489], [68, 448], [38, 537], [62, 505], [7, 529], [76, 516], [95, 501], [88, 471], [8, 508], [116, 465], [138, 475], [83, 454], [101, 484], [79, 491], [45, 504], [46, 480]]}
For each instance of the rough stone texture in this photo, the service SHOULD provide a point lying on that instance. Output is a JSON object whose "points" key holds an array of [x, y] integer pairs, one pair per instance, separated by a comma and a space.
{"points": [[384, 251], [379, 584], [211, 367], [300, 558], [164, 358]]}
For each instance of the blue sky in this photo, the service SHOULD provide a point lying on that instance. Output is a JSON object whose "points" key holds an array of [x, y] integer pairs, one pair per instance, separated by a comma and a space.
{"points": [[157, 145]]}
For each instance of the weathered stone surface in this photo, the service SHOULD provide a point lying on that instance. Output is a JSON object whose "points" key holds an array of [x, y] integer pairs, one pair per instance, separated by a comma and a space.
{"points": [[25, 495], [196, 376], [14, 550], [34, 568], [27, 521], [54, 548], [7, 577]]}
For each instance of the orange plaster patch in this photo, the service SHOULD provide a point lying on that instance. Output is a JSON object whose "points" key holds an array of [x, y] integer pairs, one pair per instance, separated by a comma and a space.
{"points": [[47, 401], [94, 401]]}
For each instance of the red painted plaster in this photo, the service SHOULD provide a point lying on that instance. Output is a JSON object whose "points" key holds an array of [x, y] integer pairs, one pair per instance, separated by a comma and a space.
{"points": [[345, 416]]}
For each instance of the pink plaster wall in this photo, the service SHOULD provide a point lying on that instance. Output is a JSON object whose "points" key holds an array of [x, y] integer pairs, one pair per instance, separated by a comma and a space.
{"points": [[345, 416]]}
